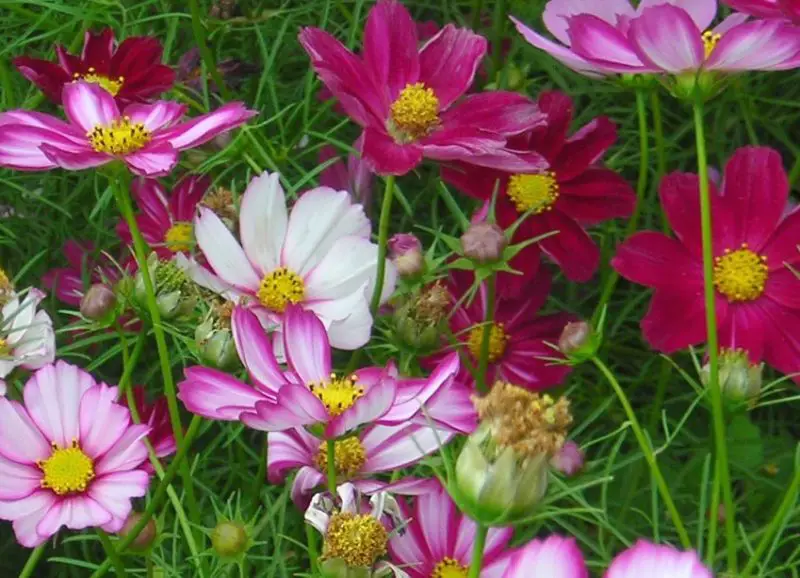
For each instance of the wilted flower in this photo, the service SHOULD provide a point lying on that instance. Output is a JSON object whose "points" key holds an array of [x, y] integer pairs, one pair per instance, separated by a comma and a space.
{"points": [[405, 251], [176, 295], [569, 459], [483, 242], [419, 320], [220, 201], [26, 335], [99, 302], [230, 539], [145, 538], [501, 473], [739, 378]]}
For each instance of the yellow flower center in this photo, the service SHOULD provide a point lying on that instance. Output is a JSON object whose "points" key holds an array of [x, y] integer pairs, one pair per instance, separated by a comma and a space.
{"points": [[415, 113], [710, 40], [339, 394], [67, 470], [121, 137], [279, 288], [740, 275], [110, 85], [357, 539], [498, 339], [5, 350], [535, 193], [349, 457], [449, 568], [179, 237], [6, 288]]}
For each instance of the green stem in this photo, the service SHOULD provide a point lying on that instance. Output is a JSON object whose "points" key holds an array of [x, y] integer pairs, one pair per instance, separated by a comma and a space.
{"points": [[33, 560], [497, 38], [261, 475], [661, 149], [641, 190], [720, 443], [488, 324], [158, 496], [477, 10], [794, 173], [713, 519], [331, 449], [311, 540], [383, 242], [661, 483], [476, 564], [783, 511], [119, 567], [205, 51]]}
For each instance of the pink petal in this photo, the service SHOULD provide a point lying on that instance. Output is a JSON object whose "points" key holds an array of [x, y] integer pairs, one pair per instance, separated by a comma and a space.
{"points": [[556, 557], [255, 351], [151, 198], [394, 447], [21, 146], [585, 148], [409, 549], [761, 8], [305, 482], [127, 454], [263, 221], [390, 46], [188, 192], [782, 245], [665, 325], [296, 407], [20, 439], [385, 157], [87, 105], [449, 61], [655, 260], [407, 407], [654, 561], [745, 329], [561, 53], [757, 45], [74, 512], [290, 449], [217, 395], [557, 13], [157, 159], [203, 128], [102, 421], [783, 287], [782, 349], [349, 318], [19, 481], [377, 400], [702, 12], [665, 37], [506, 113], [306, 344], [438, 520], [224, 254], [595, 196], [114, 491], [75, 161], [160, 114], [26, 514], [601, 43]]}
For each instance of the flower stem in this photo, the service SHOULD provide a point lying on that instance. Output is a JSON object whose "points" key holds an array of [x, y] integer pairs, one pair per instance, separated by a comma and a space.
{"points": [[497, 40], [476, 564], [477, 10], [261, 475], [311, 540], [119, 567], [32, 562], [383, 242], [663, 489], [331, 449], [205, 52], [722, 470], [488, 324], [661, 149]]}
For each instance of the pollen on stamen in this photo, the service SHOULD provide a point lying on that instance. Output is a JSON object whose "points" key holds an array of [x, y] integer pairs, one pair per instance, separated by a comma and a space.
{"points": [[740, 275], [710, 40], [121, 137], [498, 339], [414, 114], [338, 394], [535, 193], [279, 288]]}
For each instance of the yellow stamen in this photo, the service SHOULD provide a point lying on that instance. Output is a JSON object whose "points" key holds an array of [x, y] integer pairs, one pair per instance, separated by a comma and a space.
{"points": [[415, 113], [339, 394], [5, 350], [535, 193], [357, 539], [121, 137], [349, 457], [67, 470], [280, 288], [710, 40], [110, 85], [740, 275], [497, 342], [449, 568], [6, 288], [179, 237]]}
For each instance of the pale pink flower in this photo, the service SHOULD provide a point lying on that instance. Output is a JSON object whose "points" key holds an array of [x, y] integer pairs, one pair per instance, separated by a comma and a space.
{"points": [[656, 561], [26, 335], [569, 459], [146, 137], [69, 456], [554, 557]]}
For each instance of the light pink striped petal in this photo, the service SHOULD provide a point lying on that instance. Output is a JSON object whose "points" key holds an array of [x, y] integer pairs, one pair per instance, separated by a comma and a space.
{"points": [[348, 319], [554, 557], [155, 116], [263, 220], [32, 119], [556, 13], [290, 449], [255, 351], [305, 482], [349, 266], [377, 400], [601, 43], [496, 541], [438, 519], [87, 105], [102, 420], [296, 407], [21, 146], [75, 161], [404, 487], [20, 439], [128, 453], [157, 159], [408, 407], [758, 45], [306, 345], [217, 395], [702, 12], [655, 561], [223, 252], [449, 61], [26, 515], [114, 492], [19, 481], [667, 38], [203, 128], [74, 512], [561, 53], [393, 447]]}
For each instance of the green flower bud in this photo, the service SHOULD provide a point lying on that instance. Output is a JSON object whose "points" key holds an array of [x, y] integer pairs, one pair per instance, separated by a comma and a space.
{"points": [[579, 342], [418, 321], [740, 380], [230, 539], [215, 344], [175, 292]]}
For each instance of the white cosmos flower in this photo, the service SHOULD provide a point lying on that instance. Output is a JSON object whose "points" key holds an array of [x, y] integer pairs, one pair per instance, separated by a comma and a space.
{"points": [[26, 335], [320, 257]]}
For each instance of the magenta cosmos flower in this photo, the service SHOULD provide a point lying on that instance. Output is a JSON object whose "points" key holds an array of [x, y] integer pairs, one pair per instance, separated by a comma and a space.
{"points": [[672, 36], [156, 417], [438, 541], [655, 561], [320, 257], [130, 72], [789, 9], [572, 193], [67, 282], [518, 339], [166, 222], [555, 557], [405, 97], [146, 137], [755, 248], [351, 174], [69, 456]]}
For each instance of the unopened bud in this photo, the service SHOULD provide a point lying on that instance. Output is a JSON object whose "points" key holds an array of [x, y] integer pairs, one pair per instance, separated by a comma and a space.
{"points": [[484, 242], [574, 336], [229, 539], [145, 538], [98, 302], [569, 459], [405, 251], [215, 344], [739, 379]]}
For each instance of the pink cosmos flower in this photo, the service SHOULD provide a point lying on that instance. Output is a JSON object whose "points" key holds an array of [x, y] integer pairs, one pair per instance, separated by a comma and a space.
{"points": [[353, 175], [166, 223], [146, 137], [438, 541], [671, 36], [405, 97], [26, 335], [156, 418], [69, 456], [555, 557], [518, 339], [67, 282], [755, 247], [319, 257], [789, 9], [569, 459], [373, 451], [655, 561]]}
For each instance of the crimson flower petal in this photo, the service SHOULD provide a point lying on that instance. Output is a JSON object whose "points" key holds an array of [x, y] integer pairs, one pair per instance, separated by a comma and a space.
{"points": [[449, 61], [655, 260]]}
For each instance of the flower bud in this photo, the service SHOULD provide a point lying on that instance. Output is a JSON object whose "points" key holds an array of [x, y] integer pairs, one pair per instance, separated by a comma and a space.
{"points": [[578, 341], [501, 473], [569, 459], [175, 294], [405, 251], [98, 302], [145, 538], [215, 343], [418, 321], [230, 539], [484, 242], [739, 379]]}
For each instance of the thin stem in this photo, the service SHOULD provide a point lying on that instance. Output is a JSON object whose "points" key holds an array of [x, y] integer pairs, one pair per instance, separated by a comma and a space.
{"points": [[383, 242], [476, 563], [205, 51], [794, 173], [33, 560], [661, 483], [720, 443], [477, 10], [497, 38], [119, 567], [331, 449], [261, 475], [311, 540], [488, 325], [661, 149]]}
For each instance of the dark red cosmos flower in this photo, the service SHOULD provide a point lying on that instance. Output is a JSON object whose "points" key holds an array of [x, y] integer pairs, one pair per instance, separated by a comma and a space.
{"points": [[574, 192], [755, 248], [132, 71], [518, 339]]}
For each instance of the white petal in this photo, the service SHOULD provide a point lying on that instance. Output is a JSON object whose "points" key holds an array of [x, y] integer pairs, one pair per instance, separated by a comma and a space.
{"points": [[263, 221], [223, 252]]}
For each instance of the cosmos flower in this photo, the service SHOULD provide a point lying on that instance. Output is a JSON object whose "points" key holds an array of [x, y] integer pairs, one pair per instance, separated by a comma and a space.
{"points": [[69, 456], [156, 417], [655, 561], [67, 282], [130, 72], [146, 137], [554, 556], [405, 97], [166, 222], [788, 9], [319, 257], [351, 175], [438, 541], [572, 193], [755, 248], [518, 339]]}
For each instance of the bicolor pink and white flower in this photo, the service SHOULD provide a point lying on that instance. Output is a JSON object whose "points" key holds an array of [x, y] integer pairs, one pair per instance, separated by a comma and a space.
{"points": [[69, 456], [319, 257], [656, 561], [438, 541], [167, 221], [146, 137], [554, 557], [27, 339], [405, 97], [156, 417], [67, 283], [788, 9]]}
